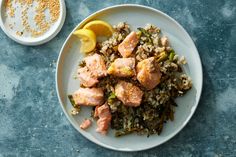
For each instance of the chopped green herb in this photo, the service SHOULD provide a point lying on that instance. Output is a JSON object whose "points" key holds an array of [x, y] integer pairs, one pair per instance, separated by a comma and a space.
{"points": [[146, 34], [171, 55], [162, 57], [112, 96], [72, 101]]}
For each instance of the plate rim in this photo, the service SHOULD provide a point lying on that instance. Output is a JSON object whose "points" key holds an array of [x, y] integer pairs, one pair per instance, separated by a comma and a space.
{"points": [[200, 73]]}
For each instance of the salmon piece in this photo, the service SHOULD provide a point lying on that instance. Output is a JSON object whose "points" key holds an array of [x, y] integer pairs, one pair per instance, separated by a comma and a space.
{"points": [[128, 93], [96, 65], [96, 112], [86, 78], [148, 73], [85, 124], [94, 69], [122, 67], [128, 45], [104, 120], [87, 97]]}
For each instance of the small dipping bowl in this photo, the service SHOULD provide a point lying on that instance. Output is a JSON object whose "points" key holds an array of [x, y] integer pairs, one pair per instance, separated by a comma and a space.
{"points": [[14, 28]]}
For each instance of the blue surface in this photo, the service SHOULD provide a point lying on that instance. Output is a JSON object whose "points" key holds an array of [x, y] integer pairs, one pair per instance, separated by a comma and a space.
{"points": [[31, 119]]}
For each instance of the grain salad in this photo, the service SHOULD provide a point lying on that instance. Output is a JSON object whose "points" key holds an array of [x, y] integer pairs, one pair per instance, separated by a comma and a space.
{"points": [[131, 81]]}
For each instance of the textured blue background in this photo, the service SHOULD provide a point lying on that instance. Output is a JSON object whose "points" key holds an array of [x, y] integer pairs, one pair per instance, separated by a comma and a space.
{"points": [[31, 119]]}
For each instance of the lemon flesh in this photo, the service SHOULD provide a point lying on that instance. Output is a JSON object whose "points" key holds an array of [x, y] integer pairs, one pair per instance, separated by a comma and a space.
{"points": [[100, 28], [87, 38]]}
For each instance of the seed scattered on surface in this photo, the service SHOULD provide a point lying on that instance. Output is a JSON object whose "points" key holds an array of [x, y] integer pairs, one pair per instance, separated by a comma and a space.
{"points": [[10, 8], [19, 33]]}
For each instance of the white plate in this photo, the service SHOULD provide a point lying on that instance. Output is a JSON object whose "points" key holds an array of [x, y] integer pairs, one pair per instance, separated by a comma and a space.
{"points": [[136, 16], [10, 25]]}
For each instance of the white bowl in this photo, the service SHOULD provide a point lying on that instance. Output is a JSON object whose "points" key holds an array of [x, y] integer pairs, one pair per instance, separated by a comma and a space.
{"points": [[136, 16], [29, 40]]}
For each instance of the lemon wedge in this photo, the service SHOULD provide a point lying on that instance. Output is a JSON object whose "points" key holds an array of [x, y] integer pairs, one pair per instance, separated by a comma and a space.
{"points": [[87, 38], [100, 28]]}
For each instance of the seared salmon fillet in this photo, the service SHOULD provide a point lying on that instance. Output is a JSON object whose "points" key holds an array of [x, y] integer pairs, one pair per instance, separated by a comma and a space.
{"points": [[128, 45], [122, 67], [104, 115], [148, 73], [87, 97], [86, 78], [128, 93], [96, 65], [85, 124]]}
